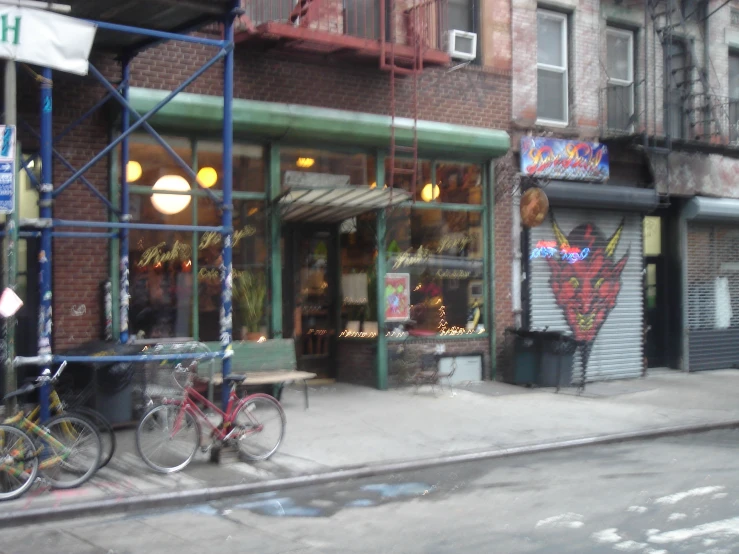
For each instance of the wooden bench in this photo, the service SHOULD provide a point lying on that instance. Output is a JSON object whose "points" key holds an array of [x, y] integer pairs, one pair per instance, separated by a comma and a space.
{"points": [[271, 362]]}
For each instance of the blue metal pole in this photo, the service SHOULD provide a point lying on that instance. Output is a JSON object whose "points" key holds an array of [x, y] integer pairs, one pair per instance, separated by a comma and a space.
{"points": [[124, 245], [163, 143], [105, 151], [45, 200], [158, 34], [227, 207]]}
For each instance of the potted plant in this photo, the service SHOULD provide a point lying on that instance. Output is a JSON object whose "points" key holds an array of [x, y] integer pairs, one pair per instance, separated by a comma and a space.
{"points": [[249, 291]]}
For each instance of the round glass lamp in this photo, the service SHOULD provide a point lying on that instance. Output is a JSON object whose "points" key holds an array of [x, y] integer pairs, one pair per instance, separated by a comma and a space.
{"points": [[430, 192], [133, 171], [170, 204], [207, 177]]}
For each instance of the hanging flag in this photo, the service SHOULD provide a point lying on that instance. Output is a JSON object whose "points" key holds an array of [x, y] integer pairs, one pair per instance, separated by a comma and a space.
{"points": [[46, 39]]}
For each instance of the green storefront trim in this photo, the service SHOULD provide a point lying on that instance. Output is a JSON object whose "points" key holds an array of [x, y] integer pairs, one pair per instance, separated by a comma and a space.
{"points": [[296, 123]]}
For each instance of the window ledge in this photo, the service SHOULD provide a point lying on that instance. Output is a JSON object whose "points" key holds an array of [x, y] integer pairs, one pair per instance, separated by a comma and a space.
{"points": [[552, 123]]}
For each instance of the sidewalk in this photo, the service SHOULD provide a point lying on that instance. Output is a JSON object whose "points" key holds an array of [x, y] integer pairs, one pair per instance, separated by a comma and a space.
{"points": [[348, 426]]}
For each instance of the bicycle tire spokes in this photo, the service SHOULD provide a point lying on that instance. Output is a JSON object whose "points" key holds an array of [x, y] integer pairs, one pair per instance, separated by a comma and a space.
{"points": [[18, 463]]}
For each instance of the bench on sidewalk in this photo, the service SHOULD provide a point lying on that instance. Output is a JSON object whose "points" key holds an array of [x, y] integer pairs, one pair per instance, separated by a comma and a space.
{"points": [[271, 362]]}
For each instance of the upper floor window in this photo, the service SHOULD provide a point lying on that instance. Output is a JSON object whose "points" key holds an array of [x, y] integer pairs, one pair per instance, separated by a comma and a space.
{"points": [[677, 89], [551, 68], [734, 96], [460, 15], [620, 68]]}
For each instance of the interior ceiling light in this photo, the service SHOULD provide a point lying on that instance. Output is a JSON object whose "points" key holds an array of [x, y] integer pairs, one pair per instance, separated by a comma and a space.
{"points": [[170, 204], [133, 171], [207, 177], [430, 192], [305, 163]]}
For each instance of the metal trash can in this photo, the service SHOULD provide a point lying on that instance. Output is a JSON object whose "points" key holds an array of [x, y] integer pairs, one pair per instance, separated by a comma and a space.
{"points": [[557, 360]]}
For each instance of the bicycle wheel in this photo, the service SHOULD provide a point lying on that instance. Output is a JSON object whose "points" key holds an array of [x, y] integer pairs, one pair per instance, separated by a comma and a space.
{"points": [[71, 451], [167, 438], [18, 462], [260, 424], [107, 435]]}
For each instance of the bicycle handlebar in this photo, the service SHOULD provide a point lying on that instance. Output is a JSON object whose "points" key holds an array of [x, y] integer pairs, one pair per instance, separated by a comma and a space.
{"points": [[44, 377]]}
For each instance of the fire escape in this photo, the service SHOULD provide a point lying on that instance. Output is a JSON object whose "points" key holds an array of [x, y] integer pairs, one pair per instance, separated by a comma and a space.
{"points": [[405, 35], [680, 97]]}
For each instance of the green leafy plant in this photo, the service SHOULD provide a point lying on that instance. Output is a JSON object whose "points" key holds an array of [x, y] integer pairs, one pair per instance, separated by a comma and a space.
{"points": [[249, 291]]}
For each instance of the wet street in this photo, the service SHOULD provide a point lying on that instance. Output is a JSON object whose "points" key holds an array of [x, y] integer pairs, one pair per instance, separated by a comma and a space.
{"points": [[668, 496]]}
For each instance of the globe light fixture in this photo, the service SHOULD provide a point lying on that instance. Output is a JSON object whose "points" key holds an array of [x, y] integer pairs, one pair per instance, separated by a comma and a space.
{"points": [[305, 163], [170, 204], [430, 192], [133, 171], [207, 177]]}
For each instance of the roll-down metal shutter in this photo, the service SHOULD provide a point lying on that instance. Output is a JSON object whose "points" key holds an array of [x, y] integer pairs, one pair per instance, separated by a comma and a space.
{"points": [[587, 287], [713, 295]]}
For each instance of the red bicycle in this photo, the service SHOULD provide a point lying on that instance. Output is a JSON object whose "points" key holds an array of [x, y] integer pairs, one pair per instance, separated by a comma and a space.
{"points": [[169, 434]]}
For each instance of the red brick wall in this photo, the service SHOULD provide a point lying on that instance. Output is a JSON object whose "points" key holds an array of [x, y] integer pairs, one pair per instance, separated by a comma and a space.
{"points": [[474, 96]]}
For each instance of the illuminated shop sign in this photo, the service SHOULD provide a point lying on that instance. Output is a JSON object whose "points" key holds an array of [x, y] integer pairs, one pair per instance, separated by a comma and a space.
{"points": [[549, 249], [564, 159]]}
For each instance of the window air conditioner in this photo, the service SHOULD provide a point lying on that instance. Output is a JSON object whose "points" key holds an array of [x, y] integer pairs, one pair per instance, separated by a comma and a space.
{"points": [[462, 45]]}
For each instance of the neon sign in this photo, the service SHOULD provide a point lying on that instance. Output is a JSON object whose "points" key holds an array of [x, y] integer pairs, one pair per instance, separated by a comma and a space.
{"points": [[566, 253]]}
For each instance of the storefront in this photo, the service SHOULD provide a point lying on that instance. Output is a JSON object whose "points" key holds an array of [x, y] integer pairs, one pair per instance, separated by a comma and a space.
{"points": [[310, 208], [711, 276], [585, 269]]}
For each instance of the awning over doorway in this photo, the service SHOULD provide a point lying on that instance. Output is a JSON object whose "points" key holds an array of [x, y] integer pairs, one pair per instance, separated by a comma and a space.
{"points": [[334, 204]]}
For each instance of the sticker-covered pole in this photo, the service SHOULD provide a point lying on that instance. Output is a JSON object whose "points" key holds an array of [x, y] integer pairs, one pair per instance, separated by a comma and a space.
{"points": [[45, 201], [124, 233], [226, 262]]}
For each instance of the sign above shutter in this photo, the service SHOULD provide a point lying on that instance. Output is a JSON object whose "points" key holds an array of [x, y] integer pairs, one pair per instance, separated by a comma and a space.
{"points": [[46, 39]]}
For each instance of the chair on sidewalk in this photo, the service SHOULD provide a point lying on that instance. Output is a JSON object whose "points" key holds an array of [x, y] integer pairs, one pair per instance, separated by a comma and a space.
{"points": [[433, 376]]}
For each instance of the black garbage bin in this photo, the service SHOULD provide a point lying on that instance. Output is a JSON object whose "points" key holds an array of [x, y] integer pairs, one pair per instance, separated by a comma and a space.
{"points": [[526, 356], [557, 359]]}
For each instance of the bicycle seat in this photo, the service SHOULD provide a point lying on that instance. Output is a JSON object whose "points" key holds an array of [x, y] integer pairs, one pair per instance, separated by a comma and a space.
{"points": [[234, 378], [20, 392]]}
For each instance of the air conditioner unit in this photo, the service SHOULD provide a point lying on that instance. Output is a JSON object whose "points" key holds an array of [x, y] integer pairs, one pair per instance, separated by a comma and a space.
{"points": [[462, 45]]}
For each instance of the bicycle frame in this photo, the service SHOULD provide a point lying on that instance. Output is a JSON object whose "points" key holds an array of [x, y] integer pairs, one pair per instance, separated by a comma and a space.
{"points": [[24, 424], [189, 404]]}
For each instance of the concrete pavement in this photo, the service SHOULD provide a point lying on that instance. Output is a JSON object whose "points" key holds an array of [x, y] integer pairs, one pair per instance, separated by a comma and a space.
{"points": [[354, 427]]}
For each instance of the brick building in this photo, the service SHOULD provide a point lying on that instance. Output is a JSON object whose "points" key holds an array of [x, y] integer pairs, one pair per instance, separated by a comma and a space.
{"points": [[312, 107], [657, 82]]}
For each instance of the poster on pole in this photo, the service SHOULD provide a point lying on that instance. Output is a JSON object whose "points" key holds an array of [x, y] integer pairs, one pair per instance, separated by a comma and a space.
{"points": [[7, 169], [46, 39]]}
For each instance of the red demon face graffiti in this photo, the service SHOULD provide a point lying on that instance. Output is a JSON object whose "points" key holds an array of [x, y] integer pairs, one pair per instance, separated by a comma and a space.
{"points": [[585, 279]]}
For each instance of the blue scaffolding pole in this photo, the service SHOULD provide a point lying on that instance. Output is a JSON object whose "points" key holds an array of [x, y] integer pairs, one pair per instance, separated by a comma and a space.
{"points": [[47, 227]]}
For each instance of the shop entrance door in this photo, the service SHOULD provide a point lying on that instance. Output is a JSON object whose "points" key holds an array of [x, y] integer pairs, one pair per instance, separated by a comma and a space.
{"points": [[310, 295], [655, 299]]}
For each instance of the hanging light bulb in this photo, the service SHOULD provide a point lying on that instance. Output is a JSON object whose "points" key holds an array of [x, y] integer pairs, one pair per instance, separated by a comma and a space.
{"points": [[430, 192], [170, 204], [133, 171], [207, 177]]}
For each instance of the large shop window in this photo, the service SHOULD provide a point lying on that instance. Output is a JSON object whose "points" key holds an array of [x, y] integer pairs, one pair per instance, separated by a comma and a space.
{"points": [[321, 168], [441, 182], [175, 276], [439, 254]]}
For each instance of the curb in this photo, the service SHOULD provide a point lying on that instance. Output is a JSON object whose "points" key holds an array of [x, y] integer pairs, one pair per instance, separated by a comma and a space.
{"points": [[198, 496]]}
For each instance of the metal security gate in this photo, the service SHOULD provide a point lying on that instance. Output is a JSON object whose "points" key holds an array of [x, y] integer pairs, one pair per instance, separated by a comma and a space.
{"points": [[713, 296], [585, 278]]}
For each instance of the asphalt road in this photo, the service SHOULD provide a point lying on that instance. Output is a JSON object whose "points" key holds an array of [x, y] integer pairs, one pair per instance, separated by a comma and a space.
{"points": [[667, 496]]}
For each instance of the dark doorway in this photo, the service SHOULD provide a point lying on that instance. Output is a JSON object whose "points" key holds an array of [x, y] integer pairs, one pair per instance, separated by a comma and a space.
{"points": [[310, 295], [656, 348]]}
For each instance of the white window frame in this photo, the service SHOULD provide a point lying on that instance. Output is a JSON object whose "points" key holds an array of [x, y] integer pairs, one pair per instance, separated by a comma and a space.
{"points": [[613, 81], [564, 70]]}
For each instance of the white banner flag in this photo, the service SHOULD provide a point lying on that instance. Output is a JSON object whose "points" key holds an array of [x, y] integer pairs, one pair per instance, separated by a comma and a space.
{"points": [[46, 39]]}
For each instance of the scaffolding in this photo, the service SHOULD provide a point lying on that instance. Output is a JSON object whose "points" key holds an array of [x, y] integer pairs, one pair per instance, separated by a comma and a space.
{"points": [[188, 17]]}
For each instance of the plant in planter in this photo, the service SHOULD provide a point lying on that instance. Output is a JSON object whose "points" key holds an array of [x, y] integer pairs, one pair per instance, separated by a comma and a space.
{"points": [[249, 291]]}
